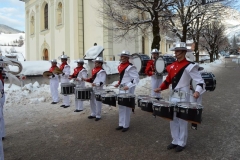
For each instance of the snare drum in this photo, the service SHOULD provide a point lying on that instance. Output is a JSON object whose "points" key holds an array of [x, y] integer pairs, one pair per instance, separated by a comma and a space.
{"points": [[163, 109], [191, 112], [140, 61], [100, 92], [126, 99], [109, 98], [83, 93], [147, 104], [209, 80], [67, 88], [140, 97]]}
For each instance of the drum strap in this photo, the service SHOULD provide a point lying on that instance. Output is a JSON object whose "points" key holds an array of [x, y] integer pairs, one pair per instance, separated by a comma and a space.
{"points": [[122, 73], [75, 75], [178, 76], [95, 75]]}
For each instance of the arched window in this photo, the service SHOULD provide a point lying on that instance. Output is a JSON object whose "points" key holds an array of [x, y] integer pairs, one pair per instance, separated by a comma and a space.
{"points": [[46, 16], [32, 25], [59, 14], [45, 54]]}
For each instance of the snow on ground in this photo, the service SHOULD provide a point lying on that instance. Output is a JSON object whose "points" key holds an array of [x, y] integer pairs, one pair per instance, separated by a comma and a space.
{"points": [[9, 38], [33, 93]]}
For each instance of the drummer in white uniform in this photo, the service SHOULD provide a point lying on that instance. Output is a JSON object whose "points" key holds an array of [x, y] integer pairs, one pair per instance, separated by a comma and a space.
{"points": [[97, 80], [129, 78], [191, 58], [79, 73], [54, 82], [65, 68], [156, 79], [179, 75]]}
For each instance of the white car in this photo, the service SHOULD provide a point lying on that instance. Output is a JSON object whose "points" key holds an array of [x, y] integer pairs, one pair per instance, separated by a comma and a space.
{"points": [[227, 56]]}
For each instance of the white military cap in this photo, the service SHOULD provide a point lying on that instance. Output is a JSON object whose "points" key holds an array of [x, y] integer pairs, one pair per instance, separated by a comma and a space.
{"points": [[125, 53], [98, 59], [154, 51]]}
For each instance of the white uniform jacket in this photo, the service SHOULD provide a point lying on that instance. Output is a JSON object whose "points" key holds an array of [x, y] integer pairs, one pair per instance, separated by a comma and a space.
{"points": [[100, 78], [66, 71], [81, 74], [130, 77]]}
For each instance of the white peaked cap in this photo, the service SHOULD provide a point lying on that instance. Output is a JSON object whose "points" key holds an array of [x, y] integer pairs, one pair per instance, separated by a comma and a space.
{"points": [[154, 51], [125, 53], [180, 46], [53, 61], [79, 61], [98, 59]]}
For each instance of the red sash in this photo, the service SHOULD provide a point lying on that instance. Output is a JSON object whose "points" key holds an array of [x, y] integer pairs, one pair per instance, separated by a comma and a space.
{"points": [[122, 67], [62, 66], [76, 71], [52, 68]]}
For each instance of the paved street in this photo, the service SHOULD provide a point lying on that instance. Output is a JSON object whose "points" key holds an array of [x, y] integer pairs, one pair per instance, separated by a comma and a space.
{"points": [[216, 138]]}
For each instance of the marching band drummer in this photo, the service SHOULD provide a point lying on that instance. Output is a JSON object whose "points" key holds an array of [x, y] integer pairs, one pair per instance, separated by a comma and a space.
{"points": [[79, 73], [129, 77], [150, 70], [65, 68], [179, 75], [54, 82], [98, 80], [190, 57]]}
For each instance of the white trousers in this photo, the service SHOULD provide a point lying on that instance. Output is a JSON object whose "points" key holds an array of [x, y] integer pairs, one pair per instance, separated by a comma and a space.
{"points": [[79, 104], [1, 144], [2, 132], [66, 100], [96, 106], [155, 83], [54, 89], [124, 116], [125, 112], [179, 131]]}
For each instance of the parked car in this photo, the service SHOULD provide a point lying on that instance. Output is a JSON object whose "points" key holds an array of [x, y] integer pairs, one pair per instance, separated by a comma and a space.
{"points": [[227, 56]]}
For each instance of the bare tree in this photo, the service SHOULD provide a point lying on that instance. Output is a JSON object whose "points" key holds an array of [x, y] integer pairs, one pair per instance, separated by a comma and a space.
{"points": [[214, 37], [206, 14], [135, 16], [182, 14]]}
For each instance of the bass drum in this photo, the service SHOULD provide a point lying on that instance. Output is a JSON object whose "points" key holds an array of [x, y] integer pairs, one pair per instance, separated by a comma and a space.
{"points": [[162, 62], [160, 66], [140, 61], [209, 79]]}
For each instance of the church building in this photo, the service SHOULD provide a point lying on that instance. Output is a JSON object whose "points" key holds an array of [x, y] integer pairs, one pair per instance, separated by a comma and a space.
{"points": [[72, 27]]}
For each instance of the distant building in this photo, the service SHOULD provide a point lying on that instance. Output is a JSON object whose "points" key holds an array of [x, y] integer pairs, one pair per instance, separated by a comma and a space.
{"points": [[72, 26]]}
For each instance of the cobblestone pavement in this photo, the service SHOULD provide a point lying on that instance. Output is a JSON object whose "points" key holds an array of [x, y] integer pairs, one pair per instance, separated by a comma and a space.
{"points": [[217, 138]]}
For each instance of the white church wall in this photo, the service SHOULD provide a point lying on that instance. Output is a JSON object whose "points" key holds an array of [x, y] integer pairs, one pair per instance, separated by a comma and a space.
{"points": [[93, 32]]}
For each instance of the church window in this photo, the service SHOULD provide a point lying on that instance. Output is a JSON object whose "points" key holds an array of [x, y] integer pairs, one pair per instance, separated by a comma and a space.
{"points": [[32, 25], [46, 16], [59, 14]]}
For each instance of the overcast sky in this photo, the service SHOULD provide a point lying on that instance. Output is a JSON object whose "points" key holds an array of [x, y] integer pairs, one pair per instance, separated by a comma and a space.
{"points": [[12, 14]]}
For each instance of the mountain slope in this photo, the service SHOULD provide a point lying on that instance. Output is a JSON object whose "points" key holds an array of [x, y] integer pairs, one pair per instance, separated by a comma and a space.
{"points": [[8, 30]]}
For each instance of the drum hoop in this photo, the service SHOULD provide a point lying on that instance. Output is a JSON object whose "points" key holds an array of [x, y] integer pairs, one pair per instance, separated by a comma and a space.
{"points": [[157, 67], [134, 56]]}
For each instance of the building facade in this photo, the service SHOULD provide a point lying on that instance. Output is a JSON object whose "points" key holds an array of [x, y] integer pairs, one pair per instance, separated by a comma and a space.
{"points": [[72, 27]]}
